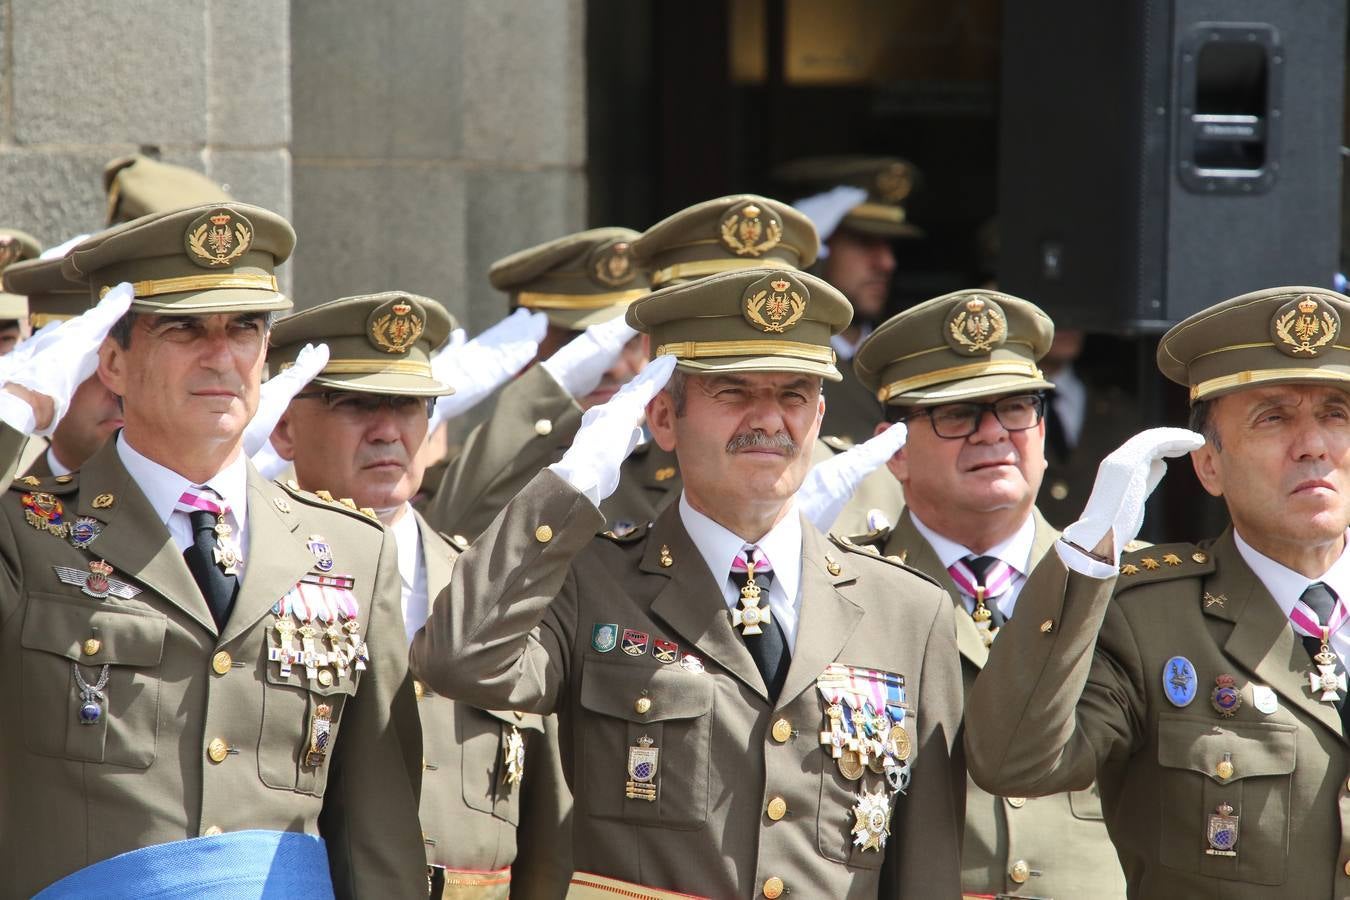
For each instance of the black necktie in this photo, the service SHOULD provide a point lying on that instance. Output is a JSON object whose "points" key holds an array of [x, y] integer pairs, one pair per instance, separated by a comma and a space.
{"points": [[980, 566], [769, 648], [218, 588], [1322, 600]]}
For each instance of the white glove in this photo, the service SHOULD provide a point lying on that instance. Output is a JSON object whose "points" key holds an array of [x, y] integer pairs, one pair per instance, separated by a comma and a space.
{"points": [[1124, 481], [609, 432], [276, 393], [268, 462], [830, 484], [477, 368], [827, 210], [64, 358], [580, 364]]}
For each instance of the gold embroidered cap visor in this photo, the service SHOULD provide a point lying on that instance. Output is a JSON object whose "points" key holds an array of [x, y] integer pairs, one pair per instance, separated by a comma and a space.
{"points": [[577, 280], [50, 296], [1283, 335], [377, 343], [966, 345], [749, 320], [202, 260]]}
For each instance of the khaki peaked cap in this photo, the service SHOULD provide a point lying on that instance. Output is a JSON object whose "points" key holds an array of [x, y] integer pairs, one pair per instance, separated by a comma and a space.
{"points": [[576, 280], [139, 186], [960, 346], [888, 181], [51, 296]]}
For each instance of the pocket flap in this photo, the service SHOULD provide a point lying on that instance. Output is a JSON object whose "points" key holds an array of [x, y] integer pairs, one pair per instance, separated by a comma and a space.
{"points": [[1253, 748], [126, 637], [615, 687]]}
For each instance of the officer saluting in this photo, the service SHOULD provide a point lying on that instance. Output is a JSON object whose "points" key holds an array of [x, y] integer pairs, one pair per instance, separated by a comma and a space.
{"points": [[746, 708], [1203, 685], [182, 664]]}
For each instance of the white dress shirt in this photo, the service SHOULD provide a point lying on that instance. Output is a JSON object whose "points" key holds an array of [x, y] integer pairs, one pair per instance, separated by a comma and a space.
{"points": [[783, 547], [412, 572], [55, 464], [163, 486], [1286, 585], [1015, 551]]}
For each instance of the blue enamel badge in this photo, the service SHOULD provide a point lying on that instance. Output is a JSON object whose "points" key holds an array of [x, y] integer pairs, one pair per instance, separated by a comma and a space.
{"points": [[1179, 682], [604, 637]]}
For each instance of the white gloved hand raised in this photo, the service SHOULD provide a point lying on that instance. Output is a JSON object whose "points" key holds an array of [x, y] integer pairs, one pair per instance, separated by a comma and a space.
{"points": [[478, 367], [609, 432], [826, 210], [580, 364], [277, 392], [830, 483], [60, 361], [1125, 479]]}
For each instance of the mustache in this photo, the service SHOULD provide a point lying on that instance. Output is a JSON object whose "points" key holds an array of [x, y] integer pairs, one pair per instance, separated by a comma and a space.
{"points": [[756, 439]]}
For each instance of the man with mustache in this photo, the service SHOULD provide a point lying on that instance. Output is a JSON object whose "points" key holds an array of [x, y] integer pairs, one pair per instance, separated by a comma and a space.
{"points": [[493, 805], [746, 708], [961, 371], [206, 696], [1202, 685]]}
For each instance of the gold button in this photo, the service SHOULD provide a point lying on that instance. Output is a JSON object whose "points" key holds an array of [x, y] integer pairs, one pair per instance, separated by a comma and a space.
{"points": [[325, 678], [1047, 626], [221, 662], [92, 646], [777, 808], [1199, 557], [213, 831], [543, 427], [773, 888], [1017, 802], [643, 705], [782, 730], [1347, 867], [543, 534], [1020, 871], [1059, 490], [1347, 784], [1224, 769], [64, 479], [217, 750], [418, 690]]}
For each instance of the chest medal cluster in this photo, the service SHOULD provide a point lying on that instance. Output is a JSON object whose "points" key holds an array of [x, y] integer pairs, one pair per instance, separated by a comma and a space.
{"points": [[316, 626]]}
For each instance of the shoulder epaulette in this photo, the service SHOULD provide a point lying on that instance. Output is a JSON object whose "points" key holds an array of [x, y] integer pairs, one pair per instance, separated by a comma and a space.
{"points": [[59, 484], [325, 500], [876, 538], [836, 443], [849, 546], [1163, 562], [458, 541]]}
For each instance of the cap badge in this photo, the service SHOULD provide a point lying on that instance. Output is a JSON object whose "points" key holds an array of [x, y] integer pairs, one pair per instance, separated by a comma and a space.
{"points": [[218, 238], [748, 230], [612, 264], [976, 326], [10, 250], [1304, 326], [894, 183], [394, 327], [775, 303]]}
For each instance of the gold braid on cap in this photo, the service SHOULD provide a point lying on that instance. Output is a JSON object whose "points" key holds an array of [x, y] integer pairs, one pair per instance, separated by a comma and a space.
{"points": [[1262, 376], [534, 300], [370, 367], [700, 267], [974, 370], [705, 349], [879, 211], [239, 281]]}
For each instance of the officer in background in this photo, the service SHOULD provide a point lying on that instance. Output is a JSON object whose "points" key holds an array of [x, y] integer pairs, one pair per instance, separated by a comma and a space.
{"points": [[183, 664], [15, 246], [961, 371], [138, 185], [354, 431], [1202, 685], [747, 709]]}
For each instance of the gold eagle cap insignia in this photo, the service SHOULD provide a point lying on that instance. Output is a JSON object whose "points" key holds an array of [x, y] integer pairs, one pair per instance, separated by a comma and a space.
{"points": [[612, 264], [775, 303], [1302, 327], [749, 229], [218, 238], [395, 326], [976, 325]]}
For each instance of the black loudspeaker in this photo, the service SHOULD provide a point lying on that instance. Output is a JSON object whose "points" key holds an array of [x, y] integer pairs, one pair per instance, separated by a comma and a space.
{"points": [[1158, 156]]}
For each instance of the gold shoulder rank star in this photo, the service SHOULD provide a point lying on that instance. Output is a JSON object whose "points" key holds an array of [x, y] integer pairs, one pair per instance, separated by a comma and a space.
{"points": [[1149, 562], [1172, 559]]}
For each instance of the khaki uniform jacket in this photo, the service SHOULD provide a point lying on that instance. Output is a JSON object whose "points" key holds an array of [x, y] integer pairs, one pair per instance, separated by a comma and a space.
{"points": [[74, 794], [1060, 840], [1049, 713], [533, 423], [517, 629], [473, 820]]}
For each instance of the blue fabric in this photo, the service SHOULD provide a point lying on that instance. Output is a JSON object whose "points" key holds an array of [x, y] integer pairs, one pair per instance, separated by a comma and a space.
{"points": [[241, 865]]}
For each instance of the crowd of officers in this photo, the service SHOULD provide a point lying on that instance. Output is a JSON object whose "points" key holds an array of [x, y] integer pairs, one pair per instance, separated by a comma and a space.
{"points": [[737, 592]]}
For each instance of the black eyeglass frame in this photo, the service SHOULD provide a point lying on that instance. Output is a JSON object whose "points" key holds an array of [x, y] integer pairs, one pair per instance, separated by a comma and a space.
{"points": [[378, 400], [1038, 399]]}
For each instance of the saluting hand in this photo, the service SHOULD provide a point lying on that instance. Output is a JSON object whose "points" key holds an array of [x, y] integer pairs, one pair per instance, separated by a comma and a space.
{"points": [[478, 367], [580, 364], [830, 483]]}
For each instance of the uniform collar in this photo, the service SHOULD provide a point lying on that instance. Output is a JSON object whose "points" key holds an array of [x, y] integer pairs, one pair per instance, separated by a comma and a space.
{"points": [[718, 546], [1015, 551], [163, 486], [1286, 585]]}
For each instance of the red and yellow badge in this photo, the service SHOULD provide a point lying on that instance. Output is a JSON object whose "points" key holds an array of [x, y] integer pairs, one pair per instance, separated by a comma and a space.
{"points": [[45, 513]]}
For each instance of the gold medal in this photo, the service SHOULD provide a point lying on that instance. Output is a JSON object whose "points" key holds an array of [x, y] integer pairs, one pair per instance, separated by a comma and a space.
{"points": [[851, 765], [898, 740]]}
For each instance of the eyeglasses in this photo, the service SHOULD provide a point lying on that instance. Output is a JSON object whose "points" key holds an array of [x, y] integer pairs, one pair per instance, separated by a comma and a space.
{"points": [[359, 404], [960, 420]]}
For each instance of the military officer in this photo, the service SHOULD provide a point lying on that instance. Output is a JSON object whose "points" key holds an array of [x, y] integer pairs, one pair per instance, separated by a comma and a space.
{"points": [[1202, 685], [962, 372], [746, 708], [15, 246], [138, 185], [182, 663], [354, 431]]}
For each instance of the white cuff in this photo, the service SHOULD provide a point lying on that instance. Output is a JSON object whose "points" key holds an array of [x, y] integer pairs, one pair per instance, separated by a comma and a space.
{"points": [[1076, 560]]}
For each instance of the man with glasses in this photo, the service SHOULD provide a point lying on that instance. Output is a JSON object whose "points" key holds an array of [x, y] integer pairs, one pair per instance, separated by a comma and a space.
{"points": [[961, 372], [354, 432]]}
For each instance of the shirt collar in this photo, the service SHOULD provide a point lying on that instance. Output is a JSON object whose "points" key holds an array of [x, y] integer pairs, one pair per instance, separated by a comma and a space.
{"points": [[163, 486], [846, 349], [719, 546], [1286, 585], [1015, 550]]}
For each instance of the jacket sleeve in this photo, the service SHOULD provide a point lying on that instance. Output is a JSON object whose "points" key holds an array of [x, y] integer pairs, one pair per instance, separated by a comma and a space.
{"points": [[502, 454], [369, 819], [1056, 702]]}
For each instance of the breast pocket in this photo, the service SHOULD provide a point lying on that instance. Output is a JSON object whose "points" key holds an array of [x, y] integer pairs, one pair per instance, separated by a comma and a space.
{"points": [[1247, 767], [485, 738], [59, 635], [634, 709]]}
